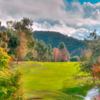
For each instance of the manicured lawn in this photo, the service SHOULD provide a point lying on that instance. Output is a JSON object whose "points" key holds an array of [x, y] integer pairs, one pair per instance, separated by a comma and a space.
{"points": [[46, 78]]}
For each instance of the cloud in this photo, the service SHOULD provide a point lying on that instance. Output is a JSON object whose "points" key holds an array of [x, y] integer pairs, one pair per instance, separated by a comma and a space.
{"points": [[31, 8], [73, 19], [80, 33], [61, 27]]}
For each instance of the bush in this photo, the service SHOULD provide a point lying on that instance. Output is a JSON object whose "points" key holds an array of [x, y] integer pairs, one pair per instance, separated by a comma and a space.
{"points": [[9, 79], [4, 59]]}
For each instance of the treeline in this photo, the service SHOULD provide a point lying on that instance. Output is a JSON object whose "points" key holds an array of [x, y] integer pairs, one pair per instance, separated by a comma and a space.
{"points": [[17, 39], [73, 45]]}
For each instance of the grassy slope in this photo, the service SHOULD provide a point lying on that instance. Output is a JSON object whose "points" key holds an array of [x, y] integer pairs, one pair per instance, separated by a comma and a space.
{"points": [[53, 76]]}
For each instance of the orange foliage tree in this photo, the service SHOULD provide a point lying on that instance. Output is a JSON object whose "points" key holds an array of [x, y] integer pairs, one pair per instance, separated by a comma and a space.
{"points": [[24, 32]]}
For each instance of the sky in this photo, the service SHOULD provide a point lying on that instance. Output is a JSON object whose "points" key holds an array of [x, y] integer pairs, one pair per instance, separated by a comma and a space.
{"points": [[70, 17], [82, 1]]}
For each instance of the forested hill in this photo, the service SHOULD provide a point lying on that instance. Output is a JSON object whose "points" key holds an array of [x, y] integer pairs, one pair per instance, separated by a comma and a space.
{"points": [[54, 38]]}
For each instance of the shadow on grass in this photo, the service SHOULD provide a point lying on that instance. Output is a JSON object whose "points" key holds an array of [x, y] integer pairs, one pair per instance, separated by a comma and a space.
{"points": [[78, 90]]}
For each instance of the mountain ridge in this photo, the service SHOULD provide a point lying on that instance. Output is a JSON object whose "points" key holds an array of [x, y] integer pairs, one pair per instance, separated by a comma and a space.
{"points": [[74, 45]]}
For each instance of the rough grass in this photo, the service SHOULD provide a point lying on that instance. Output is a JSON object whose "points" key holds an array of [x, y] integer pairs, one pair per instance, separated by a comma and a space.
{"points": [[51, 76]]}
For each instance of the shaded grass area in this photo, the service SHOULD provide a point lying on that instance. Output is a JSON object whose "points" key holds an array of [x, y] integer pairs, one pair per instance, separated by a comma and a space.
{"points": [[53, 76], [78, 90]]}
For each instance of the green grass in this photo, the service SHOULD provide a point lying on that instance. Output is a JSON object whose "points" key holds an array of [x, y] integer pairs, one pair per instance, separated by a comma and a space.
{"points": [[52, 76], [78, 90]]}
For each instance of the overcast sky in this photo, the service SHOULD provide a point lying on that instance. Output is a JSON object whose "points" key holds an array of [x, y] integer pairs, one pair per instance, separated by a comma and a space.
{"points": [[75, 17]]}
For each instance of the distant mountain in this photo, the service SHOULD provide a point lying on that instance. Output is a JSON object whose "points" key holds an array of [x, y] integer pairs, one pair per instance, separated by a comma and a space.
{"points": [[54, 38], [61, 27]]}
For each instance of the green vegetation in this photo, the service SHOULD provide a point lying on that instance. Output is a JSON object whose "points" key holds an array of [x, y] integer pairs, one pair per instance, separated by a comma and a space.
{"points": [[48, 78], [54, 38], [44, 51], [91, 56], [9, 80]]}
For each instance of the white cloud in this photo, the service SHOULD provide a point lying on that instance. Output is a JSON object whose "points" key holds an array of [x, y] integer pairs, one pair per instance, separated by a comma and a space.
{"points": [[75, 19], [80, 33], [57, 27], [31, 8]]}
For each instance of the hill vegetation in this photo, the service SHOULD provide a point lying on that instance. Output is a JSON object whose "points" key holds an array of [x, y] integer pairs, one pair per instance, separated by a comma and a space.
{"points": [[54, 38]]}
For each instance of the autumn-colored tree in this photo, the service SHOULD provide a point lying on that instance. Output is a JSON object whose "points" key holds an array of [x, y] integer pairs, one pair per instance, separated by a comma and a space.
{"points": [[56, 54], [64, 54], [24, 31]]}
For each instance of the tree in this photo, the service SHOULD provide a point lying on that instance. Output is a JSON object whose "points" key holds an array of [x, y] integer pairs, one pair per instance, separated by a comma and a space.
{"points": [[92, 51], [56, 54], [64, 54], [13, 44], [49, 52], [91, 63], [9, 41], [24, 31], [61, 46], [41, 49], [44, 51]]}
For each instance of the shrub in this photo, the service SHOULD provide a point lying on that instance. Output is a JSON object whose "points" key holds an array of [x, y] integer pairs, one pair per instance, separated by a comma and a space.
{"points": [[4, 59], [9, 79]]}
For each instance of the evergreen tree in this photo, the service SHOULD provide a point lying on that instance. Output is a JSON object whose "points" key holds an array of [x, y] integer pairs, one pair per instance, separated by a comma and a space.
{"points": [[61, 46]]}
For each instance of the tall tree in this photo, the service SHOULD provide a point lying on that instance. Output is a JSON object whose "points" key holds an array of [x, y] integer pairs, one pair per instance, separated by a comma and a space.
{"points": [[41, 49], [64, 54], [49, 52], [24, 31]]}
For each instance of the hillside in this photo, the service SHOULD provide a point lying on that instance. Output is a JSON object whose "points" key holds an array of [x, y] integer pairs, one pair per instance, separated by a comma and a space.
{"points": [[54, 38]]}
